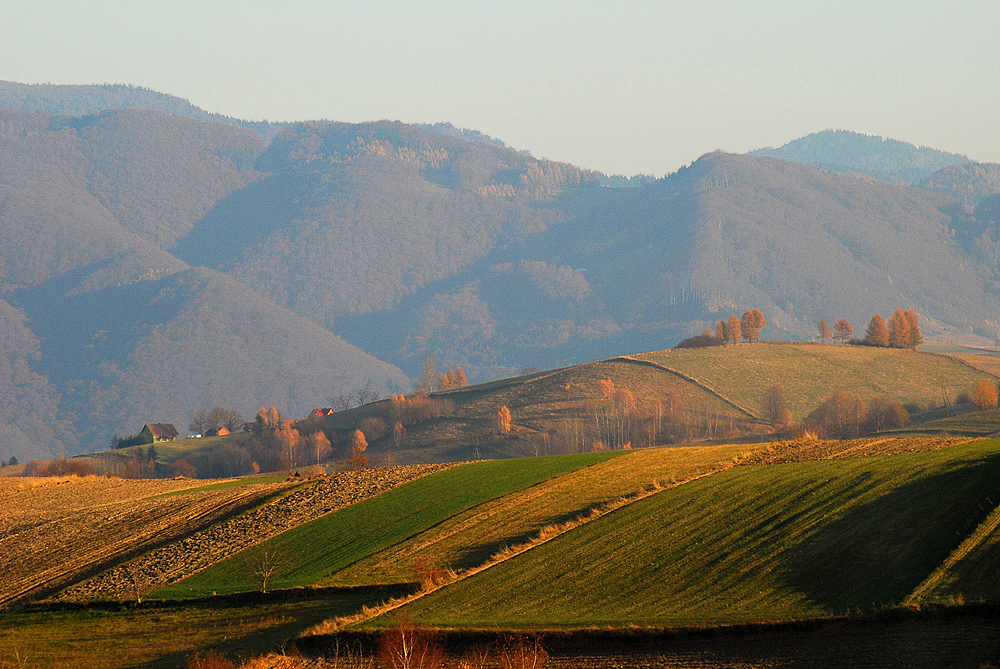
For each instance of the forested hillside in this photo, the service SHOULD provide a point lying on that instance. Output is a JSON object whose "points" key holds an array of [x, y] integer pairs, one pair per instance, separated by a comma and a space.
{"points": [[856, 154], [152, 264]]}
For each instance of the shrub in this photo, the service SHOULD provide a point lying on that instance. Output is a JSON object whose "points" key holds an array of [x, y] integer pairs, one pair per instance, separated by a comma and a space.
{"points": [[523, 653], [210, 660], [404, 646]]}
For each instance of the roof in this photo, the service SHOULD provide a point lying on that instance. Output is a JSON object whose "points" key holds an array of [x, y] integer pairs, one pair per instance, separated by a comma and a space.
{"points": [[161, 430]]}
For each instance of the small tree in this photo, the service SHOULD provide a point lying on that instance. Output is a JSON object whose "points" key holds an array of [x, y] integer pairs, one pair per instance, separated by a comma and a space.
{"points": [[319, 446], [877, 333], [748, 326], [503, 419], [842, 330], [824, 330], [776, 410], [404, 646], [356, 445], [523, 653], [398, 434], [916, 338], [263, 562], [735, 331], [984, 396], [899, 330]]}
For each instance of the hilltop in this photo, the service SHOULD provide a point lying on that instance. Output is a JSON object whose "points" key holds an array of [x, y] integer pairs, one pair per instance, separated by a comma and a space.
{"points": [[378, 244], [858, 154]]}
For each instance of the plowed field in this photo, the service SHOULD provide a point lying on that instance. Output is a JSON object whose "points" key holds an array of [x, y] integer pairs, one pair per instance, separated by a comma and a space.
{"points": [[56, 534]]}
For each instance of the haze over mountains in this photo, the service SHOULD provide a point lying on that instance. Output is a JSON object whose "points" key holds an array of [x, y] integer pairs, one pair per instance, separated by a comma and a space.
{"points": [[158, 261]]}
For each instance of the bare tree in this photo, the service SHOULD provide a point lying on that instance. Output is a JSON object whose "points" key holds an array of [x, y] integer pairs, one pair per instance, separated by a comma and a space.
{"points": [[264, 561]]}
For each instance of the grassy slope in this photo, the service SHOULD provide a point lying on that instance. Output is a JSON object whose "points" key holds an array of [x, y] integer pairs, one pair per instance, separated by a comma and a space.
{"points": [[809, 373], [161, 638], [749, 543], [318, 549], [467, 539], [972, 424]]}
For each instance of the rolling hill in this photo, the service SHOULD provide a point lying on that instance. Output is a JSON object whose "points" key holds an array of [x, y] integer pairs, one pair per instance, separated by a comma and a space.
{"points": [[403, 241], [857, 154]]}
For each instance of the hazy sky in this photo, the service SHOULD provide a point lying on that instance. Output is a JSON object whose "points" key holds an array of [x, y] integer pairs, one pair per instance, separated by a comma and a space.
{"points": [[620, 86]]}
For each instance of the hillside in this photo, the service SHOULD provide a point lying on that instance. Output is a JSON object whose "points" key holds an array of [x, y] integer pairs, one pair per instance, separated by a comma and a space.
{"points": [[667, 397], [745, 544], [404, 242], [856, 154], [69, 100]]}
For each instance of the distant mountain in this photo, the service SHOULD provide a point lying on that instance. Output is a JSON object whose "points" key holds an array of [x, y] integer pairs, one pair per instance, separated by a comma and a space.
{"points": [[852, 153], [69, 100], [152, 264], [102, 329], [969, 183]]}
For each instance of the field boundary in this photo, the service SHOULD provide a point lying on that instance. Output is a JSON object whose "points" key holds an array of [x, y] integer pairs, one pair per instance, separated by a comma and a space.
{"points": [[543, 536], [976, 538], [689, 379]]}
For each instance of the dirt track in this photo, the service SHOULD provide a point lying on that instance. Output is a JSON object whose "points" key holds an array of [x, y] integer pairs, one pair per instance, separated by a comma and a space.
{"points": [[54, 535], [178, 559]]}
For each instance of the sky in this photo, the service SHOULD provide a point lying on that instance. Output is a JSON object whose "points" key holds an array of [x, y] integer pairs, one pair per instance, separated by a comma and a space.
{"points": [[623, 87]]}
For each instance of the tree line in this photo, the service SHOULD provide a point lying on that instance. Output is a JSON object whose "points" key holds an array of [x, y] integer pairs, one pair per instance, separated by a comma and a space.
{"points": [[902, 331]]}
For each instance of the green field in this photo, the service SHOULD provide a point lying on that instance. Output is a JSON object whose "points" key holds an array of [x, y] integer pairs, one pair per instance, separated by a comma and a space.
{"points": [[162, 637], [750, 543], [971, 424], [315, 551], [469, 538], [809, 373]]}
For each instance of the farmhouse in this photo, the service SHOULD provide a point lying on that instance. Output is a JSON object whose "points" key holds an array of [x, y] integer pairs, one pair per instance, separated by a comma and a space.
{"points": [[217, 432], [154, 432]]}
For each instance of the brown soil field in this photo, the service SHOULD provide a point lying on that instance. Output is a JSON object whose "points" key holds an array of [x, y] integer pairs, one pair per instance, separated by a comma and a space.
{"points": [[829, 449], [182, 557], [54, 532]]}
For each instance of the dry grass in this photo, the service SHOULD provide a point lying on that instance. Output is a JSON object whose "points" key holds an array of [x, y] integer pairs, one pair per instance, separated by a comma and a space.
{"points": [[809, 373]]}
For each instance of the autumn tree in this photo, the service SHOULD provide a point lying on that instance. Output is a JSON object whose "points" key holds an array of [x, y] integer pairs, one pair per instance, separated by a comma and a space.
{"points": [[722, 331], [877, 332], [748, 326], [759, 322], [984, 396], [428, 378], [290, 440], [899, 330], [885, 415], [824, 330], [775, 406], [842, 330], [840, 415], [398, 434], [356, 445], [404, 646], [735, 331], [319, 446], [503, 420], [916, 338]]}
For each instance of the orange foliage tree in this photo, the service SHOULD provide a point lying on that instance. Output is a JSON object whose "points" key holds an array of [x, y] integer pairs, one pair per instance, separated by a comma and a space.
{"points": [[735, 329], [916, 338], [877, 332], [984, 396], [899, 330], [842, 330], [824, 330], [356, 445], [503, 419]]}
